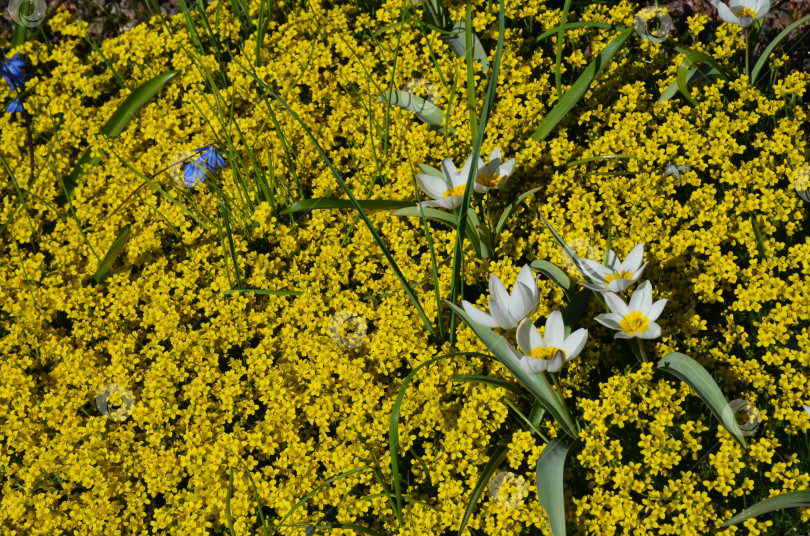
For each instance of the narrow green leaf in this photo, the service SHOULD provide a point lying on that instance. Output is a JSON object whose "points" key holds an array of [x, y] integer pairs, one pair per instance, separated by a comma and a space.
{"points": [[349, 526], [260, 291], [456, 42], [695, 376], [694, 74], [580, 87], [18, 37], [112, 253], [537, 384], [770, 48], [118, 121], [306, 205], [553, 273], [567, 249], [228, 516], [484, 249], [497, 458], [793, 499], [495, 382], [558, 57], [683, 71], [550, 467], [510, 208], [758, 235], [444, 217], [425, 110]]}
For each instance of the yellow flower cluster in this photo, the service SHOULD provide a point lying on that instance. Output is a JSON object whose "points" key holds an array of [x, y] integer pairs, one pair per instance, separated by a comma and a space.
{"points": [[258, 378]]}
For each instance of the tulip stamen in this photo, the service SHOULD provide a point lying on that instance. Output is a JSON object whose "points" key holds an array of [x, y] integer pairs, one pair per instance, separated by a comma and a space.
{"points": [[490, 180], [458, 190], [618, 275], [635, 323], [545, 353]]}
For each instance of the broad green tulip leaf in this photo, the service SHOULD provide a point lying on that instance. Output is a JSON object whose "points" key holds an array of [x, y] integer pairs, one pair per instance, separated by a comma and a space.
{"points": [[683, 71], [425, 110], [112, 253], [536, 384], [793, 499], [575, 308], [497, 458], [580, 87], [429, 170], [495, 382], [510, 208], [456, 43], [484, 248], [695, 376], [694, 74], [550, 467], [117, 122], [770, 48], [333, 202], [553, 273]]}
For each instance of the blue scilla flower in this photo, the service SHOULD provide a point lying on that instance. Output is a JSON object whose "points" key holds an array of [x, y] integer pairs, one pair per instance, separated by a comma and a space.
{"points": [[12, 71], [15, 107], [211, 158], [195, 171]]}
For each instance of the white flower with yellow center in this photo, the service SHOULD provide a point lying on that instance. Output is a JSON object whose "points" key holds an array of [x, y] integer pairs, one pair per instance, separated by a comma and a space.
{"points": [[447, 191], [742, 12], [636, 319], [507, 310], [547, 353], [617, 275], [494, 174]]}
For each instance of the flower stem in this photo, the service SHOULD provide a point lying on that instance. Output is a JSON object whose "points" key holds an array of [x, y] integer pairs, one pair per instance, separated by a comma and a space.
{"points": [[747, 68], [642, 351]]}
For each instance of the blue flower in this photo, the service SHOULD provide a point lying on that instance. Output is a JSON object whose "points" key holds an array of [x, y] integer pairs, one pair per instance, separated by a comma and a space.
{"points": [[672, 169], [195, 171], [15, 107], [12, 71], [211, 158]]}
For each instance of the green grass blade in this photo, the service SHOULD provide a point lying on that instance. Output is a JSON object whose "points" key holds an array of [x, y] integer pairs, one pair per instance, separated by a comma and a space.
{"points": [[497, 458], [112, 253], [226, 218], [305, 205], [470, 78], [558, 57], [763, 60], [793, 499], [580, 87], [686, 64], [143, 94], [228, 515], [550, 468], [525, 419], [695, 376], [261, 291], [758, 235]]}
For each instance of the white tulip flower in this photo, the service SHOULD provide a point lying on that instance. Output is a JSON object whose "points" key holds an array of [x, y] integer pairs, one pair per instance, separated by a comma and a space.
{"points": [[807, 409], [508, 310], [494, 174], [742, 12], [617, 276], [549, 352], [446, 191], [636, 319]]}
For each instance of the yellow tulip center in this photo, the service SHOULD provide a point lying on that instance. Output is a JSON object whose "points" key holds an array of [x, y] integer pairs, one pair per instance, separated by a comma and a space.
{"points": [[635, 323], [618, 275], [747, 11], [490, 180], [545, 353], [458, 190]]}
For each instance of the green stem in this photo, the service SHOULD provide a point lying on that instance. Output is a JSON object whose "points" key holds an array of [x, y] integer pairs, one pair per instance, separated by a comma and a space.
{"points": [[642, 351], [747, 54]]}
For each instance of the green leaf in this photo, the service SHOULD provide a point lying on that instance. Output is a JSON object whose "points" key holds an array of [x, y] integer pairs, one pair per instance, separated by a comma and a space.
{"points": [[112, 253], [553, 273], [537, 384], [228, 516], [510, 208], [575, 308], [445, 217], [550, 467], [495, 382], [118, 121], [567, 249], [497, 458], [333, 202], [693, 374], [456, 43], [580, 87], [694, 74], [260, 291], [428, 170], [484, 248], [683, 71], [18, 37], [767, 52], [793, 499], [116, 124], [425, 110]]}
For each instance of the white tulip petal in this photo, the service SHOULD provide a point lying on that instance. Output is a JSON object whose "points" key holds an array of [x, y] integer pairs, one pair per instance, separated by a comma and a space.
{"points": [[497, 290], [594, 270], [523, 336], [634, 258], [595, 288], [725, 13], [521, 302], [501, 315], [655, 310], [639, 271], [532, 365], [478, 316], [616, 304], [506, 169], [613, 261], [610, 320], [526, 276], [653, 332], [449, 171], [574, 344], [619, 285], [641, 298], [433, 186], [555, 330], [622, 335], [556, 362]]}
